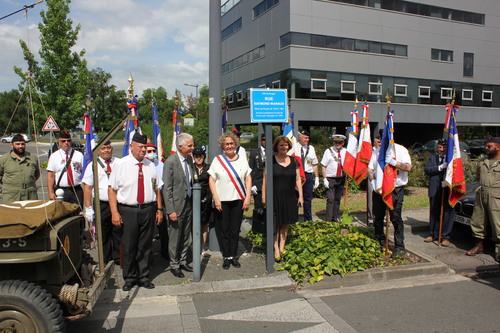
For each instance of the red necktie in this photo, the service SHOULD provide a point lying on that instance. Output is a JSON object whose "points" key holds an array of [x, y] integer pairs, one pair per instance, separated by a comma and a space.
{"points": [[69, 172], [140, 185], [339, 166], [108, 166]]}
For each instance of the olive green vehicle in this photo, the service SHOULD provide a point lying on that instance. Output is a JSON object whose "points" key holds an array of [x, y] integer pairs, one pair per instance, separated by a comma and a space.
{"points": [[45, 273]]}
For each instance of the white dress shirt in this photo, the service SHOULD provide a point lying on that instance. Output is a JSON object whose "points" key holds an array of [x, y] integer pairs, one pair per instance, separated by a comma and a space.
{"points": [[88, 176]]}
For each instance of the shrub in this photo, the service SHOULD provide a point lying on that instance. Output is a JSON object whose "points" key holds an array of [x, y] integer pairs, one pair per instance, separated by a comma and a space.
{"points": [[316, 248]]}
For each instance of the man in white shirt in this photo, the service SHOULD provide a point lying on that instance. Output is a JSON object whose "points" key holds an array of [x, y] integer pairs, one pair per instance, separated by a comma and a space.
{"points": [[402, 163], [310, 163], [369, 188], [135, 202], [333, 176], [64, 171], [111, 235]]}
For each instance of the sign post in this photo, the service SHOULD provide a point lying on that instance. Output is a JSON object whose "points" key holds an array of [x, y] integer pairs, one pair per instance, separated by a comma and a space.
{"points": [[269, 106], [50, 126]]}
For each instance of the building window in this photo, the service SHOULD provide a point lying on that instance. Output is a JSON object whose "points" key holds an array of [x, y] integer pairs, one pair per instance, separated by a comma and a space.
{"points": [[424, 91], [401, 90], [446, 93], [348, 87], [262, 86], [487, 96], [263, 7], [375, 88], [231, 29], [239, 96], [276, 84], [442, 55], [467, 94], [318, 85], [468, 64], [244, 59], [230, 98]]}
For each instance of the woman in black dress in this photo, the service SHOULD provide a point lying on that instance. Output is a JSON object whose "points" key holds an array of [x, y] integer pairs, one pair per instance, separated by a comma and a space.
{"points": [[286, 181], [201, 176]]}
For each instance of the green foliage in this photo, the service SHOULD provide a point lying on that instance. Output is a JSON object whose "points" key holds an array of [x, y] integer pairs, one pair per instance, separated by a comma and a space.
{"points": [[258, 240], [417, 176], [316, 248], [62, 75], [19, 120], [44, 165]]}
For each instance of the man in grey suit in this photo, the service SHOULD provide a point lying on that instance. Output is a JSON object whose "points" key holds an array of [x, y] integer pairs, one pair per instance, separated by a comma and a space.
{"points": [[177, 195]]}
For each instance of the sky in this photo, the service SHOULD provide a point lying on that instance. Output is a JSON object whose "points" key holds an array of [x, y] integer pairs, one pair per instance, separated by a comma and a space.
{"points": [[160, 43]]}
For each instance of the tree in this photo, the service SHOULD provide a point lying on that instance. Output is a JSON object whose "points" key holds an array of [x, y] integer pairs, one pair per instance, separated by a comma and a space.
{"points": [[11, 122], [62, 74], [107, 104]]}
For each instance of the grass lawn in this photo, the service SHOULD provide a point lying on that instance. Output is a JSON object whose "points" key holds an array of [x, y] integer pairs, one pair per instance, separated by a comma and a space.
{"points": [[415, 197]]}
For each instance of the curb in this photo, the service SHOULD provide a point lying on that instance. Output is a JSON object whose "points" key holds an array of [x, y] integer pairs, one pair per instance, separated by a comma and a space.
{"points": [[276, 281]]}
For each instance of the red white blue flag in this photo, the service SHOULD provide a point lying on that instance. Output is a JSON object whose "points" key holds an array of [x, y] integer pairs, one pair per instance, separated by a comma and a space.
{"points": [[455, 179], [289, 132], [352, 146], [385, 174], [157, 133], [89, 141], [364, 151], [177, 129]]}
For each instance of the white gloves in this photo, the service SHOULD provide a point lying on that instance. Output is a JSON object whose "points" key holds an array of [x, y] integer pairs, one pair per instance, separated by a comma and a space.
{"points": [[316, 183], [89, 213], [443, 184], [325, 183], [254, 190], [390, 160], [443, 166]]}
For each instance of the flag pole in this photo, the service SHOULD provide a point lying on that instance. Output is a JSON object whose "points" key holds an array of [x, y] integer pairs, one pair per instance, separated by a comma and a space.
{"points": [[441, 215], [388, 98]]}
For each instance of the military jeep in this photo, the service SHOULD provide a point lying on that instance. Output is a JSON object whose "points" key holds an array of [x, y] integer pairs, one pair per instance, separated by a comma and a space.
{"points": [[45, 274]]}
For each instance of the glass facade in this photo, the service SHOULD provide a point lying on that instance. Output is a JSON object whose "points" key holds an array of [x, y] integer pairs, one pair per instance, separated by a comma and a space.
{"points": [[263, 7], [342, 43], [231, 29], [419, 9]]}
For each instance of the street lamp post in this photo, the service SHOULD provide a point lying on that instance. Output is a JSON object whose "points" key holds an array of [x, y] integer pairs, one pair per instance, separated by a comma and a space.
{"points": [[196, 86]]}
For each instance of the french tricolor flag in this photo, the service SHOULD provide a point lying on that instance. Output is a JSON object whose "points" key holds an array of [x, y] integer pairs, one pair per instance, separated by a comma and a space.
{"points": [[352, 146], [455, 178], [364, 151], [385, 174]]}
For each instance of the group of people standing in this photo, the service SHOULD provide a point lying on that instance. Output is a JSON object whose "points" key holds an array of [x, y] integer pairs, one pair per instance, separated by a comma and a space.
{"points": [[138, 192]]}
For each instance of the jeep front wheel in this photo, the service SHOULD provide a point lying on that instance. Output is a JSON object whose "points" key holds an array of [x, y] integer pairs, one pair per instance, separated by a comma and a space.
{"points": [[26, 307]]}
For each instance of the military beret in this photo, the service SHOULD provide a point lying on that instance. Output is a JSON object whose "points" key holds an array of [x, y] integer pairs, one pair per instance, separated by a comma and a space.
{"points": [[442, 142], [139, 138], [64, 135], [198, 151], [305, 132], [493, 140], [18, 137]]}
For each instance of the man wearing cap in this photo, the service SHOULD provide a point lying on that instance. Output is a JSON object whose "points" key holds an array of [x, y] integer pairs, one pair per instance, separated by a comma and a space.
{"points": [[333, 177], [135, 203], [64, 171], [487, 202], [111, 234], [256, 162], [152, 155], [19, 172], [436, 170], [177, 194], [310, 163]]}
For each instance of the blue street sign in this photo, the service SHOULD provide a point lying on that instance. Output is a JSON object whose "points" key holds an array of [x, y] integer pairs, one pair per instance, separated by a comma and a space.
{"points": [[268, 106]]}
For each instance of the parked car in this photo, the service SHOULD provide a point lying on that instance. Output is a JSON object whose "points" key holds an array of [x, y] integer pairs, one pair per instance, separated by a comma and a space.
{"points": [[76, 145], [247, 136], [431, 147], [464, 208], [477, 147], [8, 138]]}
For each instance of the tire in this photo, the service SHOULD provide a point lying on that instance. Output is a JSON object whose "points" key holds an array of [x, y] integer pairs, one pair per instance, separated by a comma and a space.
{"points": [[26, 307], [4, 141]]}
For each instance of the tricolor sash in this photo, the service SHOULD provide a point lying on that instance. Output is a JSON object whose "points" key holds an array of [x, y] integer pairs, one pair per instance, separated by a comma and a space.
{"points": [[233, 175]]}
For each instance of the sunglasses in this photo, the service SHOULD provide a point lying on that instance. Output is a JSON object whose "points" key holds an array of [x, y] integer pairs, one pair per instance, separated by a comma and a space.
{"points": [[67, 140], [151, 151]]}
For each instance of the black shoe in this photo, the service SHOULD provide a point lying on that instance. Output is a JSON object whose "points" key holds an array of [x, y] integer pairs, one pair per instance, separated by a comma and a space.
{"points": [[398, 253], [177, 272], [187, 268], [128, 286], [235, 263], [147, 285], [226, 264]]}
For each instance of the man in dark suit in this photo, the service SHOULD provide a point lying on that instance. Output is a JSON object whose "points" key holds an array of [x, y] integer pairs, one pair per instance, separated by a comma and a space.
{"points": [[436, 170], [177, 194], [256, 163]]}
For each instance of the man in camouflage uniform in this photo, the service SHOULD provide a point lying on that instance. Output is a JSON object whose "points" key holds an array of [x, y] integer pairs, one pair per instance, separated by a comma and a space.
{"points": [[19, 172], [487, 203]]}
